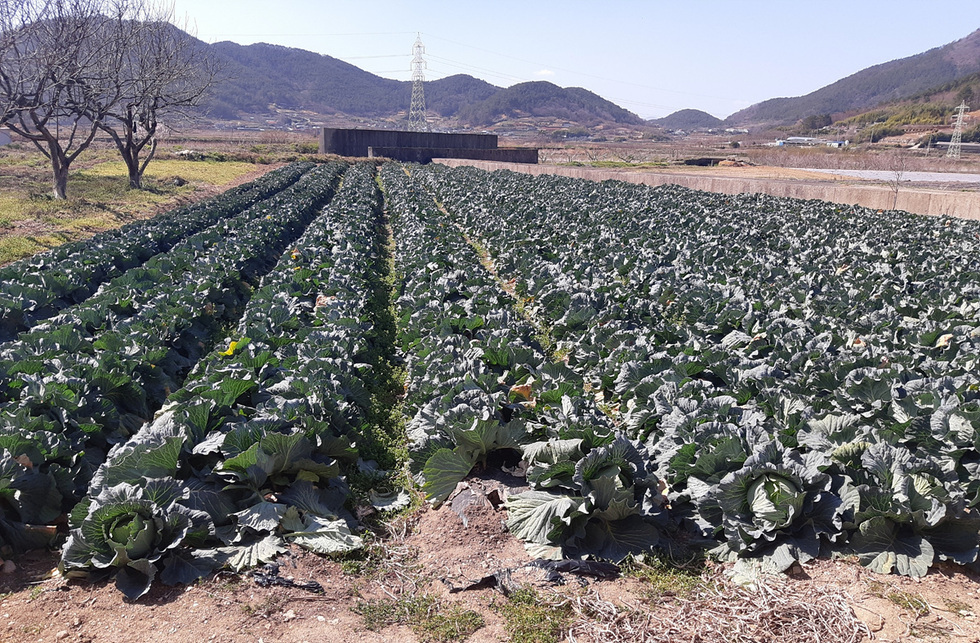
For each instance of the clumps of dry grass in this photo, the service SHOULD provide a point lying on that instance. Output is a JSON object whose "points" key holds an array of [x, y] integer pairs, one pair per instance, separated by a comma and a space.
{"points": [[721, 611]]}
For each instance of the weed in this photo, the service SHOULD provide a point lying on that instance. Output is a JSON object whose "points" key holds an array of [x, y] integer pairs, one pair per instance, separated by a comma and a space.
{"points": [[910, 602], [614, 164], [561, 353], [877, 588], [366, 561], [430, 618], [927, 631], [662, 576], [33, 630], [378, 614], [210, 171], [531, 619], [270, 605], [353, 566], [383, 435], [36, 591], [228, 583], [959, 607]]}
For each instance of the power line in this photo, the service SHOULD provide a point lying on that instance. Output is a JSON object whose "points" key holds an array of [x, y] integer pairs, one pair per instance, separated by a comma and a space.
{"points": [[462, 65], [364, 57], [575, 71], [317, 35]]}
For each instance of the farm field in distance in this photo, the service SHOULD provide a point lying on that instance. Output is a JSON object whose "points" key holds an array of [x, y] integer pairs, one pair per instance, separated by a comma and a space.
{"points": [[687, 384]]}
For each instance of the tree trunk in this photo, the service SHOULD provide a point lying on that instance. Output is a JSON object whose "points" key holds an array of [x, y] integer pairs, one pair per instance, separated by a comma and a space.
{"points": [[59, 167], [133, 167], [61, 183]]}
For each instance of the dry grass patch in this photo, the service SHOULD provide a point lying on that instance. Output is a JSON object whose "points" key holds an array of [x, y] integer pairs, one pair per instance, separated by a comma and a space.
{"points": [[718, 610], [99, 197], [160, 170]]}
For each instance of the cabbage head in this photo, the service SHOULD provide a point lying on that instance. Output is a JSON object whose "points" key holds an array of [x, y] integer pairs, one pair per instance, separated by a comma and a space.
{"points": [[779, 506], [128, 531]]}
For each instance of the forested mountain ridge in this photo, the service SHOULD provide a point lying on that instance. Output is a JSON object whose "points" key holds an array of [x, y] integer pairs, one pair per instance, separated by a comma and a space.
{"points": [[255, 77], [890, 81]]}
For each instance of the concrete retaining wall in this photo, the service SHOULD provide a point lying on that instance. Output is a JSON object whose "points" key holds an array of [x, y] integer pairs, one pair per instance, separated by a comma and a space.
{"points": [[965, 205], [355, 142]]}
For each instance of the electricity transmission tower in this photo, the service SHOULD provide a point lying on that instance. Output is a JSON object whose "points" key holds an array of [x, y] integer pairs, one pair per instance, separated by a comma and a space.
{"points": [[956, 143], [416, 113]]}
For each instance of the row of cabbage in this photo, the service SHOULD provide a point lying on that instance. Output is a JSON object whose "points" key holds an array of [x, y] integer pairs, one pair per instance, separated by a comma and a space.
{"points": [[481, 391], [70, 390], [37, 288], [248, 456], [804, 375]]}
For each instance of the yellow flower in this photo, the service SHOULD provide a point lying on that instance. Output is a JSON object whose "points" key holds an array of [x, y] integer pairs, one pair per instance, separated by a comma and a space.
{"points": [[231, 348]]}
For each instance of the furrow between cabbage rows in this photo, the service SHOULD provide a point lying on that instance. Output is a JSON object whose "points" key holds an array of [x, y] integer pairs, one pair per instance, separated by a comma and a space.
{"points": [[71, 392], [482, 392]]}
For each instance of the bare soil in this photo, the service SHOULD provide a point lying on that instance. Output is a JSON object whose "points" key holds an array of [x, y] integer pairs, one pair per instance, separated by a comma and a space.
{"points": [[434, 553]]}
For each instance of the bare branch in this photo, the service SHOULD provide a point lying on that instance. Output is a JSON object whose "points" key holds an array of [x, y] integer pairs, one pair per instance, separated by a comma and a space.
{"points": [[69, 68], [164, 74], [56, 66]]}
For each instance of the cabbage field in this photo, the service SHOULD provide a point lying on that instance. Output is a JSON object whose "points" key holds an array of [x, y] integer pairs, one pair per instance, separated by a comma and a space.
{"points": [[768, 379]]}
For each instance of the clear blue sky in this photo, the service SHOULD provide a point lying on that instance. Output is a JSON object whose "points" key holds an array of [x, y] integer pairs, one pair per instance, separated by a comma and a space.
{"points": [[652, 57]]}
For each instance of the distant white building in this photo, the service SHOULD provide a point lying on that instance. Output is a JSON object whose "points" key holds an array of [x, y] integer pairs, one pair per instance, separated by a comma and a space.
{"points": [[808, 141]]}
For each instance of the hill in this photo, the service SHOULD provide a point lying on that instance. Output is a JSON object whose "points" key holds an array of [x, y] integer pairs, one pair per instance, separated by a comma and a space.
{"points": [[259, 75], [687, 119], [888, 81], [541, 98]]}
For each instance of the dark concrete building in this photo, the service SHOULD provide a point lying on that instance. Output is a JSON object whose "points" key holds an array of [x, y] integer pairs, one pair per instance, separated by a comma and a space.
{"points": [[420, 147]]}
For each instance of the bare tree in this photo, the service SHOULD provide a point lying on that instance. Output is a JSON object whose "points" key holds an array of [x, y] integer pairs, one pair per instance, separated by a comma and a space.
{"points": [[626, 156], [6, 43], [163, 74], [899, 165], [56, 65]]}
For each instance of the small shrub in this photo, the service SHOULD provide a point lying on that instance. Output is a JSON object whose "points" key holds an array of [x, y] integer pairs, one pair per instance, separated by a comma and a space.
{"points": [[531, 619], [429, 618], [662, 577]]}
